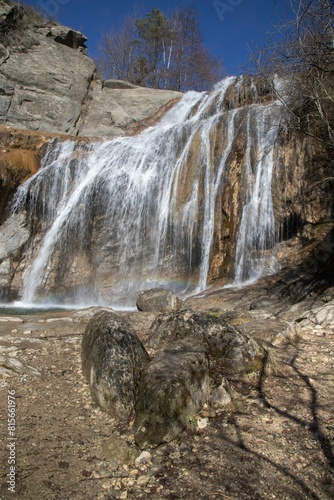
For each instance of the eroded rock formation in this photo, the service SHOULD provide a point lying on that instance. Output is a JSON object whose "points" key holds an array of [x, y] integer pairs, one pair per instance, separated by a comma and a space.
{"points": [[48, 83]]}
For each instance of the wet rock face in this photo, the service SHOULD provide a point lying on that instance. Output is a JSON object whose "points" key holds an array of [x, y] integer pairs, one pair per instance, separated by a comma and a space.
{"points": [[113, 359], [158, 299], [237, 351], [174, 387]]}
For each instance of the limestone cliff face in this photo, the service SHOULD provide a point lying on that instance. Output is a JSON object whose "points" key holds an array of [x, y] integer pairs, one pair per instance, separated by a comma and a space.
{"points": [[48, 83]]}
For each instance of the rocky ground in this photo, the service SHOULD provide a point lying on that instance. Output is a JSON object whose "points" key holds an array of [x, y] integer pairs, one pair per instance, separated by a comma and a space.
{"points": [[274, 440]]}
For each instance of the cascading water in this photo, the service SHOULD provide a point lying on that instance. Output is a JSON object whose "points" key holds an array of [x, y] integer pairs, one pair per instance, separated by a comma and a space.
{"points": [[257, 227], [136, 212]]}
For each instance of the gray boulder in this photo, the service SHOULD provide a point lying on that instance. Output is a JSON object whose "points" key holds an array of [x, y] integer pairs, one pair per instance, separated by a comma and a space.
{"points": [[158, 300], [113, 359], [116, 109], [173, 388], [323, 316], [235, 350], [68, 37]]}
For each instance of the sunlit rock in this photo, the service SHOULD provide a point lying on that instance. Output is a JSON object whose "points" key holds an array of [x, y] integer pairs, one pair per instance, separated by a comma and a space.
{"points": [[158, 299]]}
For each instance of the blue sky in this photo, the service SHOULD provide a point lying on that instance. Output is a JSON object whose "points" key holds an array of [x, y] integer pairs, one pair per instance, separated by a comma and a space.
{"points": [[228, 26]]}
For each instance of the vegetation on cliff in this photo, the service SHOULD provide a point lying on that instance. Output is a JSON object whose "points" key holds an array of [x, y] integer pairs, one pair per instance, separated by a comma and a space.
{"points": [[303, 58]]}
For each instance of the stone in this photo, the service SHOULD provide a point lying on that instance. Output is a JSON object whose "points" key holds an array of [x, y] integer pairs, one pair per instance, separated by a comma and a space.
{"points": [[117, 110], [113, 359], [14, 234], [140, 321], [5, 273], [44, 77], [202, 423], [118, 452], [10, 365], [220, 396], [52, 81], [84, 315], [323, 315], [12, 319], [235, 350], [272, 331], [143, 458], [67, 36], [174, 386], [158, 300], [118, 84]]}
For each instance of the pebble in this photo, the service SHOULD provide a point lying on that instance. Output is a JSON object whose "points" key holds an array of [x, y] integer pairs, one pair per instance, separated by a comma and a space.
{"points": [[124, 494], [142, 480], [202, 423], [106, 484], [143, 458]]}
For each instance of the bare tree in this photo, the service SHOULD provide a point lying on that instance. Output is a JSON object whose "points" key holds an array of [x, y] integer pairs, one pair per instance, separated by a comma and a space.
{"points": [[303, 57], [119, 51], [161, 52]]}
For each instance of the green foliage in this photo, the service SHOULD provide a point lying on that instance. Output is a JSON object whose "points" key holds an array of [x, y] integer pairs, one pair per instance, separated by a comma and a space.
{"points": [[154, 27]]}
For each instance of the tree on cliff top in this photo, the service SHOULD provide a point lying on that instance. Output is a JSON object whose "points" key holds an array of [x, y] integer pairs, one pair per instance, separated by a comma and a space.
{"points": [[303, 57], [160, 52]]}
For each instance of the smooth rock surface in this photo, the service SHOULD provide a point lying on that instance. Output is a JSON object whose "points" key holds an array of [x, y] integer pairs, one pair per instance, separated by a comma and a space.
{"points": [[158, 300], [118, 109], [323, 315]]}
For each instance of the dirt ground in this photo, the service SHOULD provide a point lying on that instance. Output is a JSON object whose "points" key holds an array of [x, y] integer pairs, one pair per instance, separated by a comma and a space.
{"points": [[274, 440]]}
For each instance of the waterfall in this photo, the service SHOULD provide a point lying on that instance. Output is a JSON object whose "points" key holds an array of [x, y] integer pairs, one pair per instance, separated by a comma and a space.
{"points": [[111, 218], [257, 227]]}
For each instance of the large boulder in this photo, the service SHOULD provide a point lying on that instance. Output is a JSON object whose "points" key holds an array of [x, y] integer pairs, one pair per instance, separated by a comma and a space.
{"points": [[235, 350], [323, 316], [158, 300], [173, 388], [113, 359], [67, 36], [115, 109]]}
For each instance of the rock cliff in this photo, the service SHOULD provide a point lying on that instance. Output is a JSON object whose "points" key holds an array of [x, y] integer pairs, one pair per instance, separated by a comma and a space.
{"points": [[48, 83], [221, 189]]}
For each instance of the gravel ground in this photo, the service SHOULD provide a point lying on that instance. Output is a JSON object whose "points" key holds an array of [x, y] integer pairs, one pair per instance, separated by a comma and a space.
{"points": [[274, 440]]}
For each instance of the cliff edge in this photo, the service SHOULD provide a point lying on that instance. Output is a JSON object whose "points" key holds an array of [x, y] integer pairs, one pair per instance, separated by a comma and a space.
{"points": [[49, 84]]}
